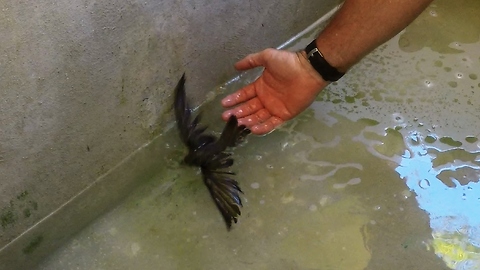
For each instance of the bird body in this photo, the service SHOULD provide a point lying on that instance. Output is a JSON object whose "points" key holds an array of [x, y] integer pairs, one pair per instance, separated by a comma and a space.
{"points": [[208, 152]]}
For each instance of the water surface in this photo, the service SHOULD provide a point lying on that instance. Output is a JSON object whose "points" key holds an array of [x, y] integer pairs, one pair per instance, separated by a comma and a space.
{"points": [[382, 171]]}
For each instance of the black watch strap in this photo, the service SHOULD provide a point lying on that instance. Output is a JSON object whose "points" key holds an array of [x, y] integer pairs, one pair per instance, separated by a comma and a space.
{"points": [[315, 57]]}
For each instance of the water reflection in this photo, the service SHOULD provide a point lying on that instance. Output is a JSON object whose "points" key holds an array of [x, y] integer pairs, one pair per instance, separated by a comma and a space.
{"points": [[453, 206]]}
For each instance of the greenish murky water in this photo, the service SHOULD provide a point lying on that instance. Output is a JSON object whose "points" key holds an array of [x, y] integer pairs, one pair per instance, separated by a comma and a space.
{"points": [[381, 172]]}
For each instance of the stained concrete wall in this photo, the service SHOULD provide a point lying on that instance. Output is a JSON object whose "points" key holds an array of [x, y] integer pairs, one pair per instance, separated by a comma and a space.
{"points": [[85, 84]]}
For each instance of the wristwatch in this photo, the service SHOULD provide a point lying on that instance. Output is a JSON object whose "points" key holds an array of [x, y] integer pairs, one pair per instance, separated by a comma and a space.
{"points": [[318, 62]]}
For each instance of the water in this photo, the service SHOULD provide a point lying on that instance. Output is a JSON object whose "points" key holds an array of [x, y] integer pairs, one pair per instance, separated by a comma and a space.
{"points": [[382, 171]]}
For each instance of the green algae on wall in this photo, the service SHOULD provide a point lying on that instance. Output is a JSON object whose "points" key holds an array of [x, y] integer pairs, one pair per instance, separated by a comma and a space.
{"points": [[22, 204], [33, 245], [7, 218]]}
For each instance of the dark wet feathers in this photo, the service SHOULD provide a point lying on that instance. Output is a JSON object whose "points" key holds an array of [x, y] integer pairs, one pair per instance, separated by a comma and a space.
{"points": [[208, 152]]}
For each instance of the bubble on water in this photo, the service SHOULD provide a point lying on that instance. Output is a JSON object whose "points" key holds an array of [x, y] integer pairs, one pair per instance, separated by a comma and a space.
{"points": [[113, 231], [398, 118], [452, 84], [258, 157], [406, 193], [459, 75], [456, 44], [377, 207], [135, 248], [433, 13], [339, 186], [414, 138], [428, 83], [354, 181], [424, 183], [287, 198], [255, 185], [323, 200]]}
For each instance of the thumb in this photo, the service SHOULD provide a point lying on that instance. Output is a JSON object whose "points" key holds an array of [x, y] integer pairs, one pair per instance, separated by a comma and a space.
{"points": [[251, 61]]}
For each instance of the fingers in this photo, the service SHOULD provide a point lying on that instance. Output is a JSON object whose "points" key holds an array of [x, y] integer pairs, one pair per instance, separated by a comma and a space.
{"points": [[251, 107], [255, 119], [267, 126], [240, 96], [260, 122], [251, 112]]}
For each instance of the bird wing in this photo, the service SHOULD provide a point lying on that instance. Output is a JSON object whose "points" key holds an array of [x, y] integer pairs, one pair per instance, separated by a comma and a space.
{"points": [[209, 153], [232, 135], [191, 132]]}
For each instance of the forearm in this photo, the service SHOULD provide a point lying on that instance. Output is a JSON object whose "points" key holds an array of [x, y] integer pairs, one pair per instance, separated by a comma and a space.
{"points": [[362, 25], [290, 83]]}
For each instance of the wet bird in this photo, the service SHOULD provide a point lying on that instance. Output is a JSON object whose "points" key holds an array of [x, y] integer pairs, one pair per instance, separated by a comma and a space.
{"points": [[209, 153]]}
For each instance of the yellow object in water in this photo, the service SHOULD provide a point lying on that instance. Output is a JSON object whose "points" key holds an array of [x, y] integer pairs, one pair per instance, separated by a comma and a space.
{"points": [[454, 251]]}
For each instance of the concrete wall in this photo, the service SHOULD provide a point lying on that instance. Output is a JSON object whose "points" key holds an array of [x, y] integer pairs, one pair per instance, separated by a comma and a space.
{"points": [[85, 84]]}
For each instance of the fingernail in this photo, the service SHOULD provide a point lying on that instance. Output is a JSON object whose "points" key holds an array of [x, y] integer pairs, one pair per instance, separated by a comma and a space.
{"points": [[254, 129], [226, 101], [226, 115]]}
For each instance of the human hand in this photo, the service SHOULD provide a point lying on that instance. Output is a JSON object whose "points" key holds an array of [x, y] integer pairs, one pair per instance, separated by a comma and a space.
{"points": [[287, 86]]}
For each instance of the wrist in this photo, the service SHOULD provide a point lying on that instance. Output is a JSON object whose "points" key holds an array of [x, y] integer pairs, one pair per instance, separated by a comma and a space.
{"points": [[320, 64], [332, 55], [316, 80]]}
